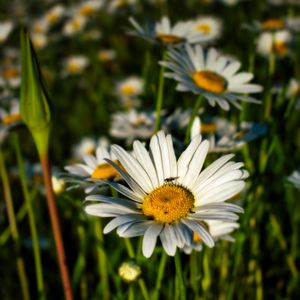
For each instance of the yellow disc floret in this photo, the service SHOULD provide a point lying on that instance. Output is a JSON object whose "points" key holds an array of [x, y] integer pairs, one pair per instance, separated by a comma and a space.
{"points": [[272, 24], [105, 171], [9, 119], [168, 203], [205, 28], [210, 81], [169, 38]]}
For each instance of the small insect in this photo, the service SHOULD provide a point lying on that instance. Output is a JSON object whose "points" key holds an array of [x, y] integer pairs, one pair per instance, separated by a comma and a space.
{"points": [[170, 179]]}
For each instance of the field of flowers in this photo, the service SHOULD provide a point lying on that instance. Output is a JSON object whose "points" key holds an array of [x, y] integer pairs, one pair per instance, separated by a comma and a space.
{"points": [[149, 149]]}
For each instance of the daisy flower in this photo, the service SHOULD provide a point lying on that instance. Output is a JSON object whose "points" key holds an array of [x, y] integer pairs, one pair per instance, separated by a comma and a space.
{"points": [[294, 178], [53, 15], [219, 230], [74, 25], [88, 146], [132, 124], [277, 43], [130, 87], [225, 136], [210, 27], [75, 64], [10, 75], [94, 167], [169, 198], [163, 32], [39, 40], [106, 55], [88, 8], [5, 29], [211, 74]]}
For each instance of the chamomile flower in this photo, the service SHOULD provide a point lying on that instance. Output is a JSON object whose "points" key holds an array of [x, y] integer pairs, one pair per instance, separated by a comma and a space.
{"points": [[210, 27], [75, 64], [131, 124], [219, 230], [106, 55], [294, 178], [277, 43], [169, 198], [74, 25], [163, 32], [130, 87], [5, 29], [225, 136], [268, 25], [88, 145], [208, 73], [39, 40], [58, 184], [55, 13], [94, 167], [88, 8], [10, 75]]}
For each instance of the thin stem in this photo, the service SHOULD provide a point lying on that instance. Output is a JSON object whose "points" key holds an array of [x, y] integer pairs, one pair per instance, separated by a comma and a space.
{"points": [[161, 271], [56, 226], [159, 99], [194, 113], [102, 259], [32, 223], [179, 277], [129, 248], [194, 274], [14, 228]]}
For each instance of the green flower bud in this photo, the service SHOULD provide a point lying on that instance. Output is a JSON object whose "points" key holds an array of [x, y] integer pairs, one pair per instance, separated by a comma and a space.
{"points": [[34, 106], [129, 271]]}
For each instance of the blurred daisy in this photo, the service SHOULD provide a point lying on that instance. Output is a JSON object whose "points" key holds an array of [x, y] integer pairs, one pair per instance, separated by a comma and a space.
{"points": [[210, 74], [277, 43], [74, 25], [40, 26], [115, 5], [131, 125], [94, 168], [272, 24], [210, 27], [294, 178], [129, 271], [39, 40], [5, 29], [169, 198], [293, 89], [88, 146], [106, 55], [225, 136], [219, 230], [75, 64], [163, 32], [88, 8], [58, 184], [54, 14], [10, 75]]}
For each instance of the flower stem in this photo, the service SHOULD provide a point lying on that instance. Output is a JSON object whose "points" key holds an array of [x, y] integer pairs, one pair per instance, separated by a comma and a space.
{"points": [[161, 270], [193, 274], [32, 223], [56, 226], [194, 113], [159, 98], [102, 258], [179, 278], [13, 228]]}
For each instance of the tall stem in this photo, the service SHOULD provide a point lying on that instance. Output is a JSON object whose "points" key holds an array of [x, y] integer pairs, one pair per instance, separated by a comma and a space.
{"points": [[56, 226], [14, 228], [159, 99], [161, 270], [194, 113], [32, 223], [179, 277]]}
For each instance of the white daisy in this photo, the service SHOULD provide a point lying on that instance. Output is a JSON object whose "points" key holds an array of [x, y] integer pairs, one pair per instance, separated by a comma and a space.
{"points": [[75, 64], [294, 178], [210, 74], [39, 40], [106, 55], [94, 168], [277, 43], [5, 29], [130, 87], [74, 25], [225, 136], [210, 27], [219, 230], [88, 8], [131, 124], [58, 184], [10, 75], [164, 32], [170, 198]]}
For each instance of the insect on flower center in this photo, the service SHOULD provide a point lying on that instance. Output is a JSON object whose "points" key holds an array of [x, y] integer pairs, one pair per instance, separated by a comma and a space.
{"points": [[272, 24], [169, 38], [205, 28], [105, 171], [168, 203], [210, 81], [11, 119]]}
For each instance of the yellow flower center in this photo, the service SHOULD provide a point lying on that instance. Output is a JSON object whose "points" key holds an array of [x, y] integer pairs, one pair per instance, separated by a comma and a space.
{"points": [[168, 203], [73, 67], [10, 73], [205, 28], [272, 24], [210, 81], [52, 17], [87, 10], [208, 128], [127, 89], [169, 38], [280, 48], [11, 119], [105, 171], [75, 24]]}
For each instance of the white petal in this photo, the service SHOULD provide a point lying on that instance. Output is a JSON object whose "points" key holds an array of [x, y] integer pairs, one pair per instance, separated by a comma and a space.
{"points": [[150, 238]]}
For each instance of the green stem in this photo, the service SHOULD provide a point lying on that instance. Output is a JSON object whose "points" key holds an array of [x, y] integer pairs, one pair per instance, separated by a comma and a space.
{"points": [[14, 229], [194, 274], [159, 98], [179, 277], [131, 293], [161, 271], [194, 113], [129, 248], [32, 223], [102, 259]]}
